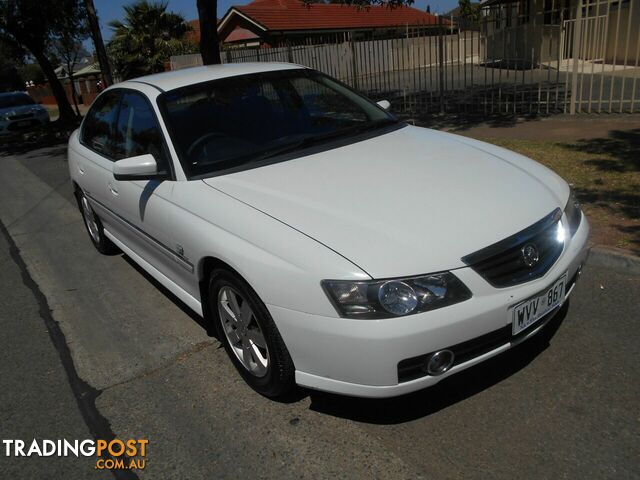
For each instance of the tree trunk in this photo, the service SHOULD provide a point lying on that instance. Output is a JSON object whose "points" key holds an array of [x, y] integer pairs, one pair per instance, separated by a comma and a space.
{"points": [[209, 45], [64, 107], [74, 96], [96, 35]]}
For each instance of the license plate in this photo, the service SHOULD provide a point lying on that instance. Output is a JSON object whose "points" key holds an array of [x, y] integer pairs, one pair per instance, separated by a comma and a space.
{"points": [[533, 309]]}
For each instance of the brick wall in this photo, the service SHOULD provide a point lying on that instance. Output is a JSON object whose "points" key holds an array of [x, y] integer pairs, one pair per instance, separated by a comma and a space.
{"points": [[86, 90]]}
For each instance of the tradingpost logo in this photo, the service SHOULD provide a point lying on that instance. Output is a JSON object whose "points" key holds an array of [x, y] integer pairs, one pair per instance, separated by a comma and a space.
{"points": [[113, 454]]}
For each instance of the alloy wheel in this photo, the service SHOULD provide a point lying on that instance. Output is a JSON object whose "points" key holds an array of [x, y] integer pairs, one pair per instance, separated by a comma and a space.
{"points": [[243, 331], [90, 219]]}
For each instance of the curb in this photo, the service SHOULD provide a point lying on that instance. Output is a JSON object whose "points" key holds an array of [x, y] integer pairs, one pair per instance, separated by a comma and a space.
{"points": [[614, 259]]}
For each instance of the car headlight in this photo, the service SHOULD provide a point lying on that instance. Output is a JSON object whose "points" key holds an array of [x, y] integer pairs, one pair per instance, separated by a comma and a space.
{"points": [[375, 299], [573, 213]]}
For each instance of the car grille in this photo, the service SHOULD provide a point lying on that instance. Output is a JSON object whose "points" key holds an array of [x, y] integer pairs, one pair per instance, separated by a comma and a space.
{"points": [[415, 367], [21, 116], [504, 263]]}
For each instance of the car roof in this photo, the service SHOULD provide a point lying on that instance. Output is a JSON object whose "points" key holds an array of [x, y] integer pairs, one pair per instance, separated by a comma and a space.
{"points": [[189, 76]]}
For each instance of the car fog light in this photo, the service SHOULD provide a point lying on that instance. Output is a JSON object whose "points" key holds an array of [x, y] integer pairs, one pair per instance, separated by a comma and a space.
{"points": [[397, 297], [440, 362]]}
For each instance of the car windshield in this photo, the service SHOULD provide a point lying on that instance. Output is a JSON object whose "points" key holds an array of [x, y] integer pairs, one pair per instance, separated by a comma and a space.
{"points": [[244, 121], [15, 100]]}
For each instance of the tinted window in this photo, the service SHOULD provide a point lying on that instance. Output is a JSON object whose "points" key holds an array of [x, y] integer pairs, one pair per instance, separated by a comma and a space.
{"points": [[137, 131], [15, 100], [98, 124], [237, 122]]}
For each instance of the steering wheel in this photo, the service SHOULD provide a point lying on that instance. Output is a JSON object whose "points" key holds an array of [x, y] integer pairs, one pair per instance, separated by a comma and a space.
{"points": [[204, 138]]}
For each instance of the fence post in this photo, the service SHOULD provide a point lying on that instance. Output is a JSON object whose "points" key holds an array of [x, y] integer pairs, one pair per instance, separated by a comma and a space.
{"points": [[575, 49], [289, 52], [354, 66], [441, 62]]}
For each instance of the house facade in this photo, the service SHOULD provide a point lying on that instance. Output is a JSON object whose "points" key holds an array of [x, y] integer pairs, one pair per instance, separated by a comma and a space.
{"points": [[544, 31]]}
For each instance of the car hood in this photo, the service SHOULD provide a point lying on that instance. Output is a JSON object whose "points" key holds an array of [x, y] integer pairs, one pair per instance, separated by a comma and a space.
{"points": [[408, 202]]}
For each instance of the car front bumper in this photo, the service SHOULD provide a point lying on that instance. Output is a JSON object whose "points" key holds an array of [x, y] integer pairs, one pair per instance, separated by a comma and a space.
{"points": [[361, 357]]}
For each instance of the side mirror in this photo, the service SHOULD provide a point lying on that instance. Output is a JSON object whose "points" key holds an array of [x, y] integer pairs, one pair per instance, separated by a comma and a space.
{"points": [[385, 104], [142, 167]]}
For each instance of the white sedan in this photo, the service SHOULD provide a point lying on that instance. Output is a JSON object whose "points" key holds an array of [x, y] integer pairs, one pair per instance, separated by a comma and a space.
{"points": [[329, 244]]}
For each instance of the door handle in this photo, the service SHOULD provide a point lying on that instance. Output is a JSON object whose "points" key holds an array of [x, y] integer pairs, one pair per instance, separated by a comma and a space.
{"points": [[81, 169], [113, 190]]}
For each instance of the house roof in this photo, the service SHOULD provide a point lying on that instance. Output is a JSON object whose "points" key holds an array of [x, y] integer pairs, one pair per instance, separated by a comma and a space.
{"points": [[294, 15], [84, 68], [91, 69]]}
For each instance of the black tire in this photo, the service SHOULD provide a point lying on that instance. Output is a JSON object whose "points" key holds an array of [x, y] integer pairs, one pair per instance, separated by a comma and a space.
{"points": [[97, 237], [279, 379]]}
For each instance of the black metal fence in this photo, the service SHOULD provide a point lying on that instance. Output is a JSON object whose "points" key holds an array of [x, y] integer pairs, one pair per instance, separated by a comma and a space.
{"points": [[524, 57]]}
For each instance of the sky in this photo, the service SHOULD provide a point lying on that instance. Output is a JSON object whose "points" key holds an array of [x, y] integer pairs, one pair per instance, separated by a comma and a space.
{"points": [[112, 9]]}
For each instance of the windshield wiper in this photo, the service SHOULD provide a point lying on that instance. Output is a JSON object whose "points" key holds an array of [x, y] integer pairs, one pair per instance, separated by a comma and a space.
{"points": [[315, 139]]}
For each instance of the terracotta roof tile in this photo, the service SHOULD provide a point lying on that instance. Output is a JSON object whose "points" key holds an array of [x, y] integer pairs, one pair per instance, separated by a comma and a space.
{"points": [[280, 15]]}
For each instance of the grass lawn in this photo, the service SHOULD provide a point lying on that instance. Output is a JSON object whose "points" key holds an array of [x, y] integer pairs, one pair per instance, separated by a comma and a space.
{"points": [[605, 173]]}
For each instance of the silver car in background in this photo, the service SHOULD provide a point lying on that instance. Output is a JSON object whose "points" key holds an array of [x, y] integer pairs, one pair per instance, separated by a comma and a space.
{"points": [[18, 111]]}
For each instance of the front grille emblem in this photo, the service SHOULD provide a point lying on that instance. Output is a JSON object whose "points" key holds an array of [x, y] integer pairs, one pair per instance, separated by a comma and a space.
{"points": [[530, 255]]}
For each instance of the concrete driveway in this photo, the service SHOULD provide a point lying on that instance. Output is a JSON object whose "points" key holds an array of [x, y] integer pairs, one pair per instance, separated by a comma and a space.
{"points": [[91, 346]]}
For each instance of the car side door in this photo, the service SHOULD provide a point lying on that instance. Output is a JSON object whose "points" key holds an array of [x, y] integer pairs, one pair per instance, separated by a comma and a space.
{"points": [[145, 205], [94, 159]]}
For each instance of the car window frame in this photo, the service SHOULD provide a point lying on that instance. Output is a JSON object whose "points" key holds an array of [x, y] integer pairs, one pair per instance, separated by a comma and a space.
{"points": [[339, 142], [171, 174]]}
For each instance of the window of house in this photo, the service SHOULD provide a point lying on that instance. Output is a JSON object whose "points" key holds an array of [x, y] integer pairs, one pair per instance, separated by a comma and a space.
{"points": [[555, 11], [524, 7]]}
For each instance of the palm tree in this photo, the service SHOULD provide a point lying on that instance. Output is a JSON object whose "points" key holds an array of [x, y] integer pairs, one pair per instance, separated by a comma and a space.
{"points": [[146, 38]]}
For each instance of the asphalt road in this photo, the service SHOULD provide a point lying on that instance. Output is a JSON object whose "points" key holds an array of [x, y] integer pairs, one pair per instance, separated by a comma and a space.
{"points": [[91, 346]]}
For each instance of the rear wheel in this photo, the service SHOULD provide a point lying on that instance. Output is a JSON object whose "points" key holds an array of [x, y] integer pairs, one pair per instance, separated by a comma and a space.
{"points": [[249, 335], [94, 226]]}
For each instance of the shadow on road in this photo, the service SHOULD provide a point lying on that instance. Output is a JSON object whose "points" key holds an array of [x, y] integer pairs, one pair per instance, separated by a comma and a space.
{"points": [[179, 303], [621, 154], [444, 394], [622, 145], [22, 143]]}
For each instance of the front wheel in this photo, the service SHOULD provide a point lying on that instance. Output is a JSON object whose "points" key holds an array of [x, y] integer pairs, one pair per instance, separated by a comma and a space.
{"points": [[249, 335], [94, 226]]}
